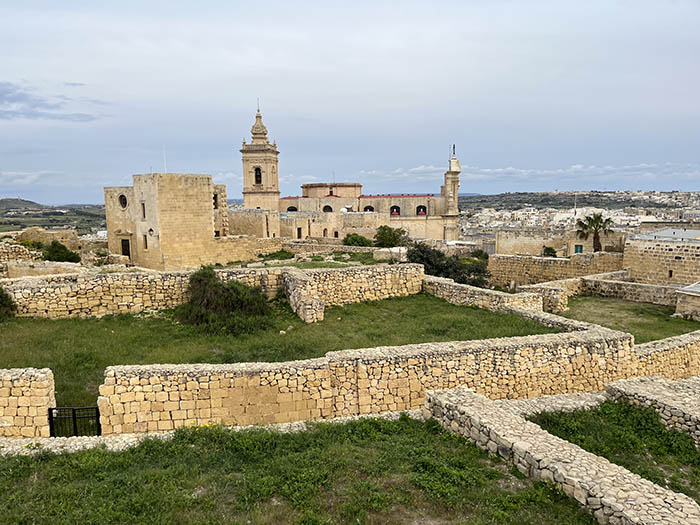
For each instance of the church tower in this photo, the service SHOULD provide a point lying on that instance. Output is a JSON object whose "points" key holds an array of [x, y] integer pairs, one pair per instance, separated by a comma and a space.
{"points": [[260, 181], [450, 190]]}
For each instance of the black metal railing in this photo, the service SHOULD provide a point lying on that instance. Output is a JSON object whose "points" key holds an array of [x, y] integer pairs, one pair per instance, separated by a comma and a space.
{"points": [[70, 421]]}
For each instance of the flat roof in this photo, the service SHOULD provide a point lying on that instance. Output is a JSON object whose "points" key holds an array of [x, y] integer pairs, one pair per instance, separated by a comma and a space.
{"points": [[675, 234]]}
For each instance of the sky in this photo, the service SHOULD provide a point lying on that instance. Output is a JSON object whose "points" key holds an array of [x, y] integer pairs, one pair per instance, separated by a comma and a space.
{"points": [[536, 95]]}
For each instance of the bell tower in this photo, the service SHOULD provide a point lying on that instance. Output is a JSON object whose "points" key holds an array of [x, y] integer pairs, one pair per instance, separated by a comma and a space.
{"points": [[450, 190], [260, 178]]}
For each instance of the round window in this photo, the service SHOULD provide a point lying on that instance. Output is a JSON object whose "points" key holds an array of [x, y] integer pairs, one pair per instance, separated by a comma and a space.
{"points": [[122, 201]]}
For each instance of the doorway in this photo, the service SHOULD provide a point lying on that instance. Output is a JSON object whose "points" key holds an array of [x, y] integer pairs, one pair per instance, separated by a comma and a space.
{"points": [[126, 248]]}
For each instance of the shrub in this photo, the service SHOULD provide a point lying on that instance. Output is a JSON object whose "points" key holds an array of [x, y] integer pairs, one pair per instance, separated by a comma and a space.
{"points": [[275, 256], [218, 307], [32, 245], [470, 271], [59, 253], [7, 305], [388, 237], [479, 254], [355, 239], [548, 251]]}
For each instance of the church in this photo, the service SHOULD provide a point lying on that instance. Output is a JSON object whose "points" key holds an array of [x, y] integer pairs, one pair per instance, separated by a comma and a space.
{"points": [[334, 209]]}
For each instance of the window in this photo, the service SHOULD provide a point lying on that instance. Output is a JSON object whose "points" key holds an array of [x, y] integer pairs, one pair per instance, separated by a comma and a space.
{"points": [[670, 274], [122, 201], [395, 210], [298, 233], [325, 232], [292, 208], [578, 248], [421, 210], [369, 208], [258, 176], [216, 201], [145, 242], [217, 233], [331, 191], [143, 210], [327, 209], [335, 234]]}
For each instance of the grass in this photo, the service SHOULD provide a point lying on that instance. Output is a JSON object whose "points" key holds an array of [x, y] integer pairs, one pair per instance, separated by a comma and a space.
{"points": [[367, 471], [634, 438], [647, 322], [78, 350]]}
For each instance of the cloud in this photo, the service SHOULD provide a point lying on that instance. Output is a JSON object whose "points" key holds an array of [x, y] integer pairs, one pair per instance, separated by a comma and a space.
{"points": [[17, 102], [74, 84], [24, 178]]}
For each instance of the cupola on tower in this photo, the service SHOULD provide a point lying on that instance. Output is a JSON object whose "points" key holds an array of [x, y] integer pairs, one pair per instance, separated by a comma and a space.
{"points": [[260, 178]]}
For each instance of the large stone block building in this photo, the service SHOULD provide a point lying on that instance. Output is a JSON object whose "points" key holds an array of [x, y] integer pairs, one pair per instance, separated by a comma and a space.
{"points": [[334, 209]]}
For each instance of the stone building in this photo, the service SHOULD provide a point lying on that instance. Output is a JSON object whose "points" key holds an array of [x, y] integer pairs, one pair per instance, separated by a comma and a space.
{"points": [[174, 220], [338, 208]]}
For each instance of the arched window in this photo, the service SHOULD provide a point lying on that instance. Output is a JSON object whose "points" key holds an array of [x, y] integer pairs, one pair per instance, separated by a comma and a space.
{"points": [[369, 208], [325, 232], [421, 210], [395, 210], [258, 176], [292, 208], [327, 209]]}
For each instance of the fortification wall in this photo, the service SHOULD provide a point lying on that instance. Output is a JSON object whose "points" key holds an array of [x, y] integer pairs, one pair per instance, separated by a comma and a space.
{"points": [[507, 270], [688, 306], [26, 394], [17, 252], [463, 294], [659, 262]]}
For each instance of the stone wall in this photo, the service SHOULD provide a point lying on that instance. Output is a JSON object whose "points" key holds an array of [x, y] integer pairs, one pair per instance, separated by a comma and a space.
{"points": [[17, 252], [16, 269], [673, 358], [658, 262], [463, 294], [610, 492], [507, 270], [629, 291], [314, 248], [69, 238], [688, 305], [26, 394]]}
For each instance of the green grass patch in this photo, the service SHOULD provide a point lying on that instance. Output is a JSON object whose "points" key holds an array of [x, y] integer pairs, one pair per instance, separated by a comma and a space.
{"points": [[647, 322], [367, 471], [78, 350], [634, 438]]}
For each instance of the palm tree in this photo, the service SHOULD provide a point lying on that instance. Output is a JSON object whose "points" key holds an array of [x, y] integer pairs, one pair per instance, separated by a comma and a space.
{"points": [[594, 224]]}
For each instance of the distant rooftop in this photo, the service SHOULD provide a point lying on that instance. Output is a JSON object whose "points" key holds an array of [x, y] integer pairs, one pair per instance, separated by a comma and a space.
{"points": [[692, 289], [672, 234]]}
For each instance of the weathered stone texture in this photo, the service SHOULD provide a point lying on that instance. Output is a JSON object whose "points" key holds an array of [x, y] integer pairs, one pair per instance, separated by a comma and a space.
{"points": [[655, 261], [518, 270], [17, 252], [610, 492], [688, 305], [26, 394], [673, 358], [463, 294]]}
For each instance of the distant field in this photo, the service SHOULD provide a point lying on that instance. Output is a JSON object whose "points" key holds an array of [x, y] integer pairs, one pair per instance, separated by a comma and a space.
{"points": [[78, 350], [367, 471], [79, 217], [514, 201], [647, 322]]}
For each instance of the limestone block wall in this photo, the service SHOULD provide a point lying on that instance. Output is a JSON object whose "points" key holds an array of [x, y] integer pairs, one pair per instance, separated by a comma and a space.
{"points": [[673, 358], [658, 262], [463, 294], [688, 306], [629, 291], [26, 394], [17, 252], [519, 270], [351, 382], [305, 304], [555, 294], [28, 268], [314, 248]]}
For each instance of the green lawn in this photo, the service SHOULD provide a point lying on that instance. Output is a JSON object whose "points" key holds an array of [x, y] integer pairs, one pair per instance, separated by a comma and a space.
{"points": [[78, 350], [367, 471], [647, 322], [634, 438]]}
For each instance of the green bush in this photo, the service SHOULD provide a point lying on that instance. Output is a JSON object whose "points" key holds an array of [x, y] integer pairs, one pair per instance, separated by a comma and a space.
{"points": [[59, 253], [479, 254], [548, 251], [467, 270], [355, 239], [388, 237], [218, 307], [7, 305], [276, 256], [32, 245]]}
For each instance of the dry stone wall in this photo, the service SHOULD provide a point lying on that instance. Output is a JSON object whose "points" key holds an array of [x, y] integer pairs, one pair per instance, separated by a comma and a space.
{"points": [[656, 261], [673, 358], [463, 294], [629, 291], [313, 248], [507, 270], [610, 492], [688, 305], [26, 394], [17, 252]]}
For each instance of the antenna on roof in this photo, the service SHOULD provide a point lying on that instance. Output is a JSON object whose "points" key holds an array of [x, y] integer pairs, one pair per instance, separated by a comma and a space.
{"points": [[258, 104], [165, 163]]}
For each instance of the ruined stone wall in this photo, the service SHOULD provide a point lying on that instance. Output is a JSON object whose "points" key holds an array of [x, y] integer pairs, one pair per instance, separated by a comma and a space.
{"points": [[672, 358], [463, 294], [69, 238], [26, 394], [17, 269], [17, 252], [519, 270], [688, 306], [318, 248], [662, 262], [629, 291], [351, 382]]}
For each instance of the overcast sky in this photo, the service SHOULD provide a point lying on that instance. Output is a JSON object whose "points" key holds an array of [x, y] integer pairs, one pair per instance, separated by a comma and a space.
{"points": [[537, 95]]}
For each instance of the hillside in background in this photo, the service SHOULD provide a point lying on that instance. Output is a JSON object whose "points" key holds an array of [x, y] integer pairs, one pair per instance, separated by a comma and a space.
{"points": [[17, 204]]}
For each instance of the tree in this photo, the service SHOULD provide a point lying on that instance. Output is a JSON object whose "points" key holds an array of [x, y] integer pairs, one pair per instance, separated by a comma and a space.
{"points": [[594, 225], [7, 305], [468, 270], [388, 237], [58, 252], [355, 239], [548, 251]]}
